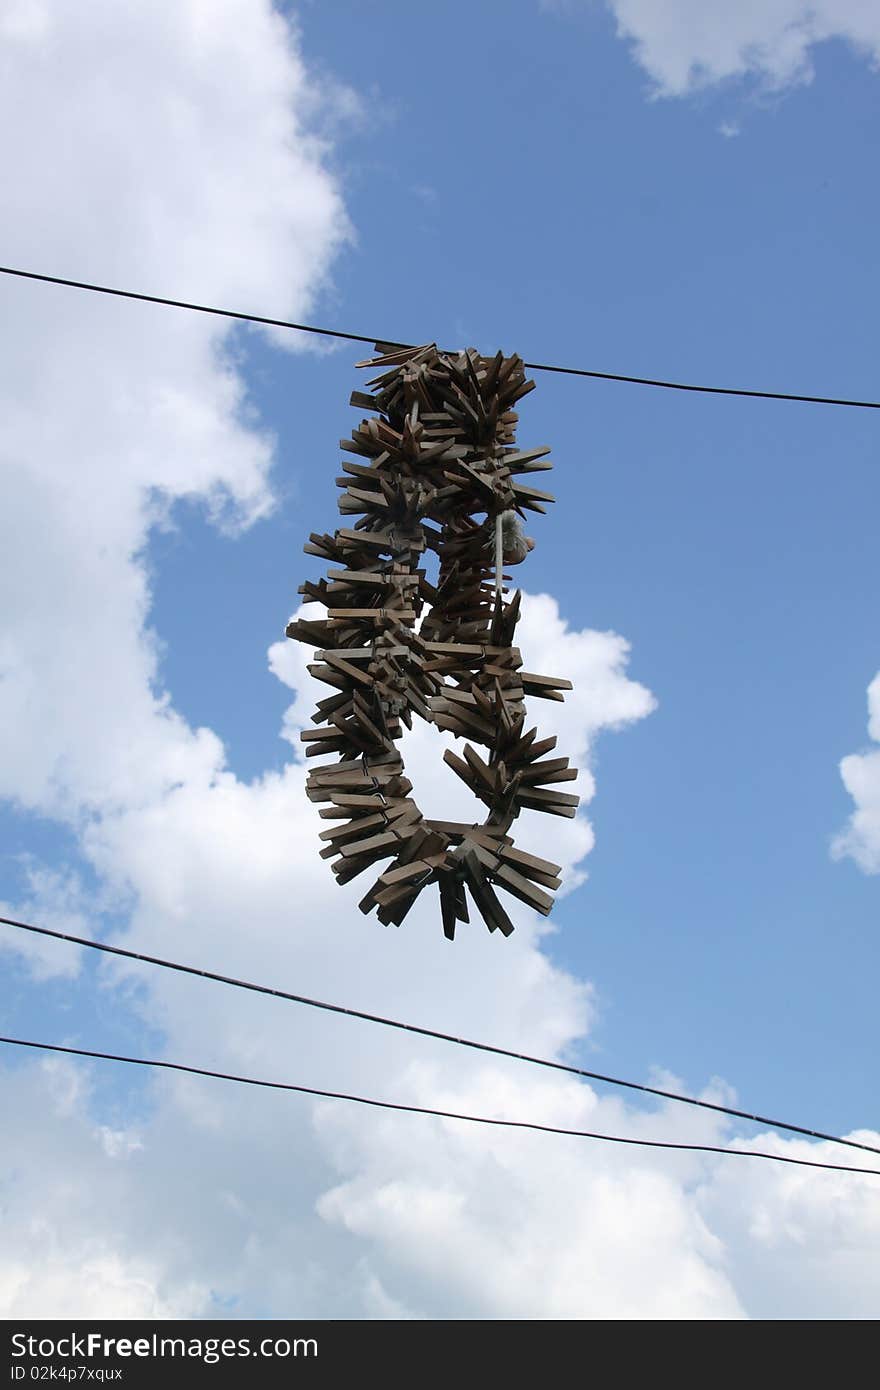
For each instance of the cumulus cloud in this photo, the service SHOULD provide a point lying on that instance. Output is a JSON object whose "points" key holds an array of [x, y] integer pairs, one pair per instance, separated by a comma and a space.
{"points": [[688, 45], [861, 777], [798, 1247], [236, 1202], [503, 1225], [187, 135], [66, 1250], [179, 167]]}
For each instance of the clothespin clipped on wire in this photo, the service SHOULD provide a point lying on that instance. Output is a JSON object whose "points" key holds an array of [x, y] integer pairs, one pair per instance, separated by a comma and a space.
{"points": [[512, 545]]}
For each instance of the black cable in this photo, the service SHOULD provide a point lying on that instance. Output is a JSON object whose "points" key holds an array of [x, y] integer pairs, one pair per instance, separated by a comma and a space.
{"points": [[707, 390], [427, 1110], [388, 342], [432, 1033], [199, 308]]}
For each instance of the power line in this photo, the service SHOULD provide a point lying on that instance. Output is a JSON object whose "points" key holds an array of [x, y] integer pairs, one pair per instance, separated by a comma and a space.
{"points": [[428, 1110], [199, 308], [433, 1033], [374, 338]]}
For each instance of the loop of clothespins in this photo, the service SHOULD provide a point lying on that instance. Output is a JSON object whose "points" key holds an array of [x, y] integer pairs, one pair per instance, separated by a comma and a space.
{"points": [[439, 454]]}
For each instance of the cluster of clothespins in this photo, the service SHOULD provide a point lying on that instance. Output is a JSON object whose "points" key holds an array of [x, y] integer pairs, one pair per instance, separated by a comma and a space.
{"points": [[435, 468]]}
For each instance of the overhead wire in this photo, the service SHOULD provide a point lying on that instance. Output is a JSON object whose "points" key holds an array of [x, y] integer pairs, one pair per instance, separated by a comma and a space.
{"points": [[430, 1110], [377, 339], [421, 1031]]}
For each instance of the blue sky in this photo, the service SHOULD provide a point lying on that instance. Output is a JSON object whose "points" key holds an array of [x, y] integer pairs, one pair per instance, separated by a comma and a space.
{"points": [[511, 176]]}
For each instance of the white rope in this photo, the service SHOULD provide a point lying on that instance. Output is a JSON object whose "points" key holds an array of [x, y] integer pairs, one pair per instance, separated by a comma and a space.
{"points": [[499, 554]]}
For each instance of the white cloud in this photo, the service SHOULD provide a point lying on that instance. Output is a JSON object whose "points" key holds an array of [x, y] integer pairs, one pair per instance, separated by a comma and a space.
{"points": [[55, 899], [861, 777], [686, 45], [66, 1250], [237, 1201], [77, 1280], [179, 167], [803, 1245], [508, 1225], [185, 138]]}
